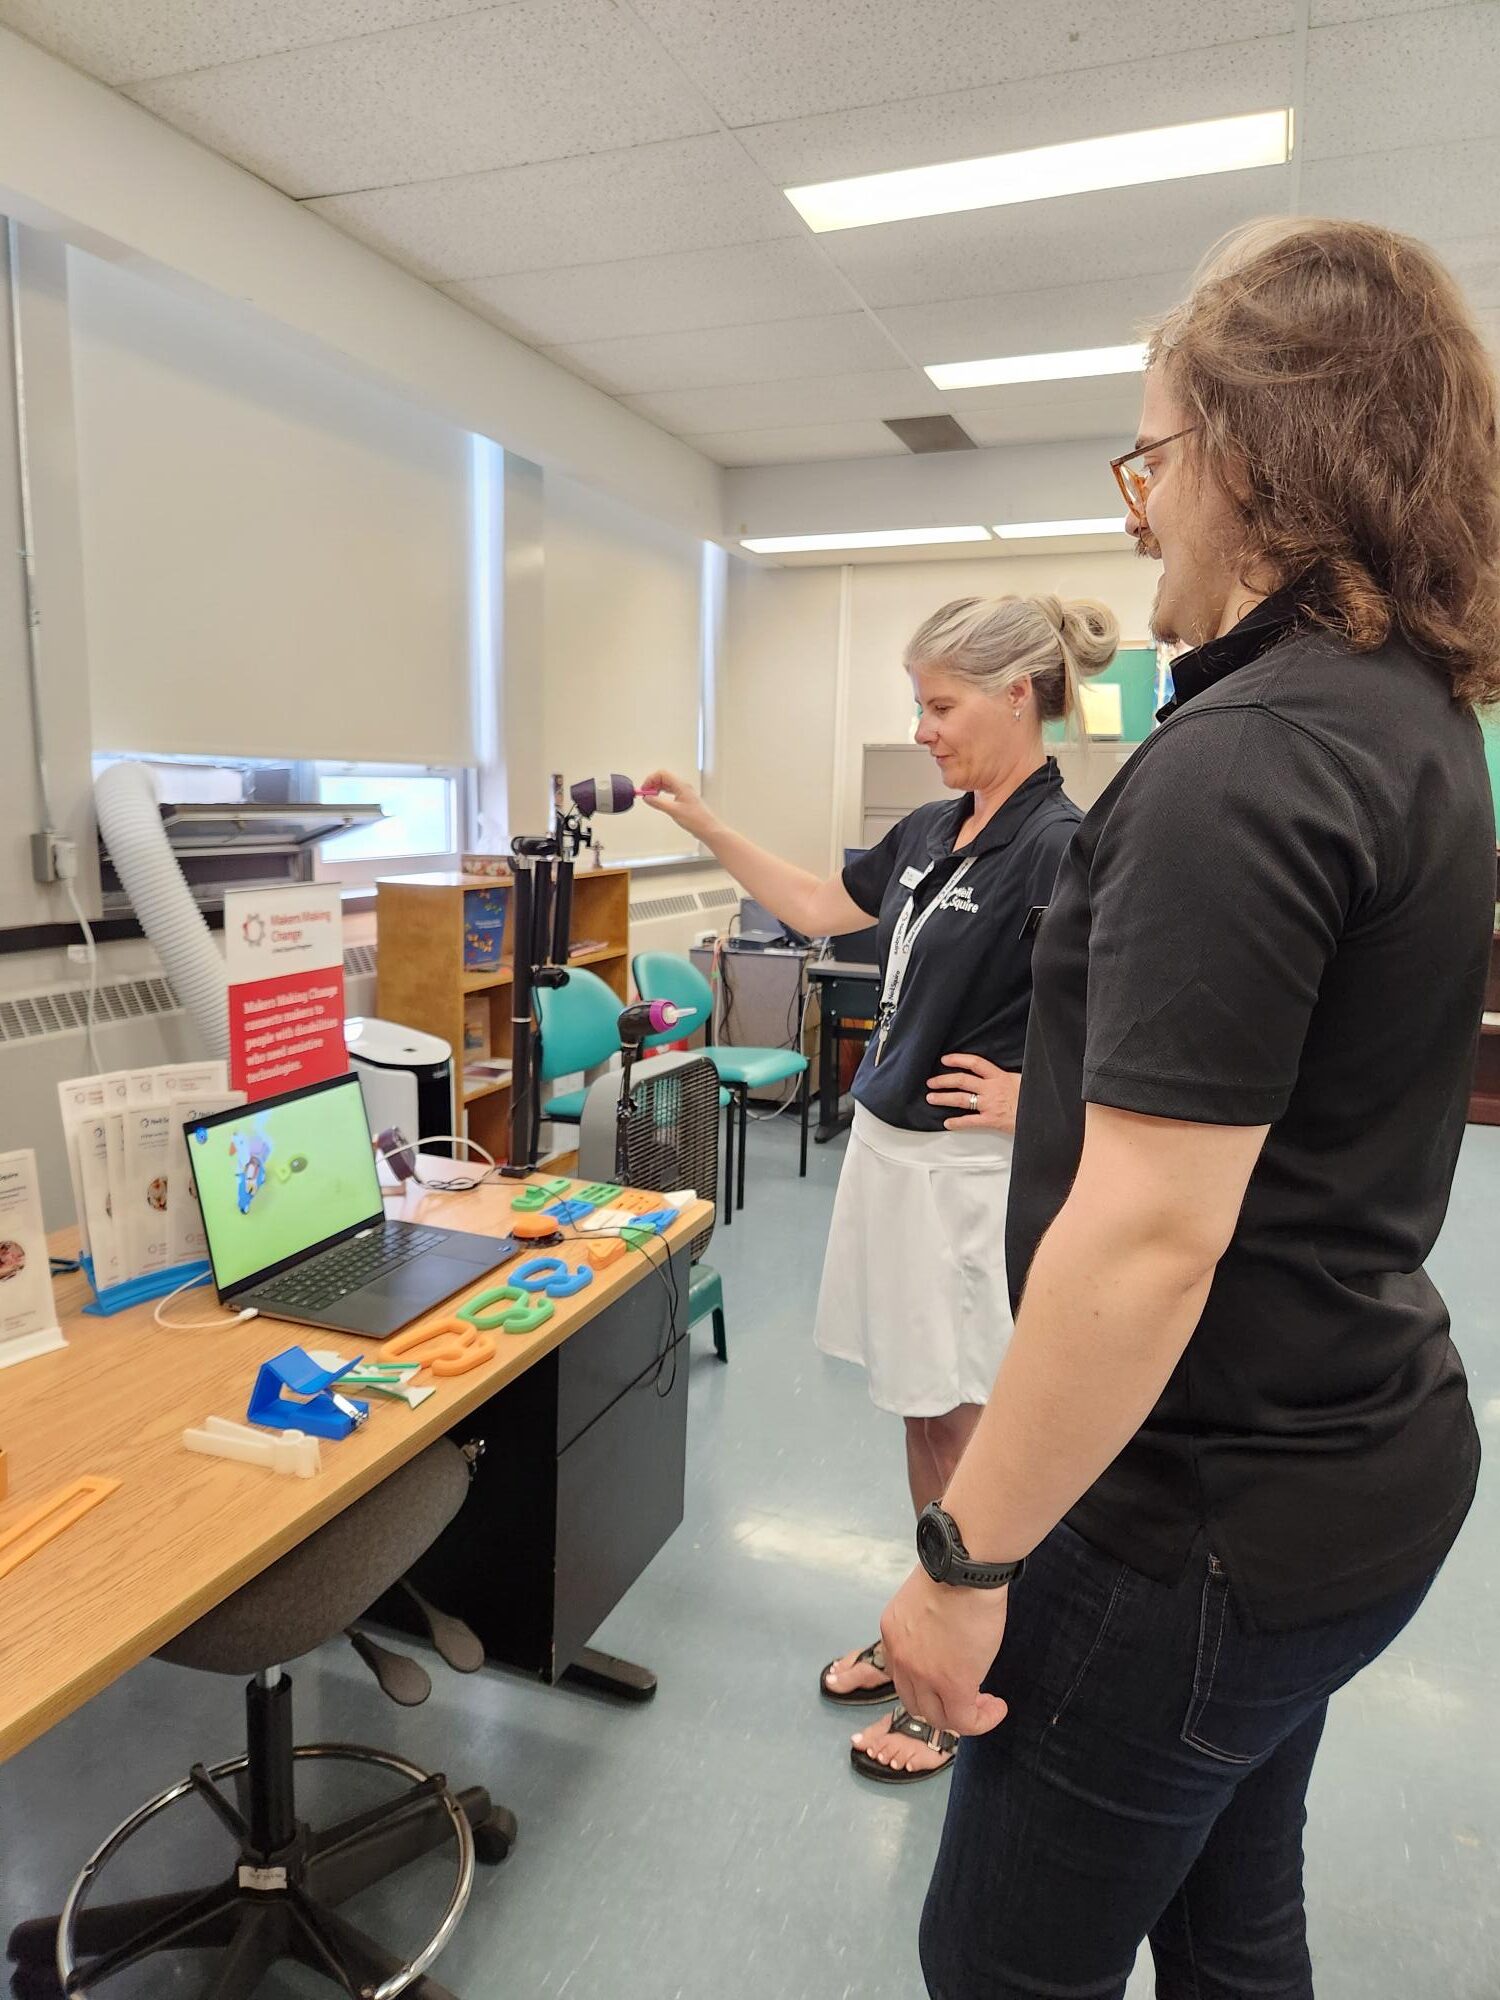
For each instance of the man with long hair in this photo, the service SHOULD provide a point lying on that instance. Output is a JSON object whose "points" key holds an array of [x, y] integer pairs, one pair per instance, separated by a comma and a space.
{"points": [[1231, 1438]]}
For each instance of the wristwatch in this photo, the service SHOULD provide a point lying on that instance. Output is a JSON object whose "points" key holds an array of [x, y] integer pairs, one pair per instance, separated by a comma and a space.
{"points": [[946, 1560]]}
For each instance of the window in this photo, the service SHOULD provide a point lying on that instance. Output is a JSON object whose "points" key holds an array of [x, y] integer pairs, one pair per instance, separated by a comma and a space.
{"points": [[428, 808], [421, 812]]}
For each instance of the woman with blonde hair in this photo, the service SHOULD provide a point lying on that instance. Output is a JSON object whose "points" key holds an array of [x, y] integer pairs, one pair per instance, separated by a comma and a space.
{"points": [[914, 1282]]}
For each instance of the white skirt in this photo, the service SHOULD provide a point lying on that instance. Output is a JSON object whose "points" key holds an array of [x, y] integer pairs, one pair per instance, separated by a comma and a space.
{"points": [[914, 1285]]}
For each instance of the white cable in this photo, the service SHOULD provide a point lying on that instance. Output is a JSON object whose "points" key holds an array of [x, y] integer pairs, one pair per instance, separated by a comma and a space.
{"points": [[414, 1146], [198, 1325], [93, 952]]}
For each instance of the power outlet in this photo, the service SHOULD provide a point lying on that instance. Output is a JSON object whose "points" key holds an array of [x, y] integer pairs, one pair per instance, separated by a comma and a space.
{"points": [[54, 858]]}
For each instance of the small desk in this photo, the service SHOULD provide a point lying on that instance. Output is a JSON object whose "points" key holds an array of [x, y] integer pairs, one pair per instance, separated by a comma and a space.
{"points": [[849, 996], [184, 1531]]}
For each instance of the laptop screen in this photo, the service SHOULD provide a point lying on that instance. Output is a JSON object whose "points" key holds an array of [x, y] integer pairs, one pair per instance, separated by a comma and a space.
{"points": [[283, 1177]]}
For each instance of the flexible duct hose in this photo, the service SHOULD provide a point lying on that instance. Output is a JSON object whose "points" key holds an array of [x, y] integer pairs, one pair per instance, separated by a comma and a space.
{"points": [[130, 821]]}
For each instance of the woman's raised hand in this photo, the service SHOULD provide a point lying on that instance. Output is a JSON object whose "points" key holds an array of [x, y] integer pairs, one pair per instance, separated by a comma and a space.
{"points": [[666, 793]]}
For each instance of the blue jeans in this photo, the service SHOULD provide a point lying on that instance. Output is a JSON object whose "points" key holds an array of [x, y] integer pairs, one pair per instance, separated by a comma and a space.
{"points": [[1148, 1782]]}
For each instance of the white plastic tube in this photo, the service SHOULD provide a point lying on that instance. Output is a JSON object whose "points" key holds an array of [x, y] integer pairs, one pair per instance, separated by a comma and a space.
{"points": [[130, 821]]}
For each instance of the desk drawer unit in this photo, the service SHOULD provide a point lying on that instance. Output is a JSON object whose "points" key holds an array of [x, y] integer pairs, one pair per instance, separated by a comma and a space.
{"points": [[580, 1484]]}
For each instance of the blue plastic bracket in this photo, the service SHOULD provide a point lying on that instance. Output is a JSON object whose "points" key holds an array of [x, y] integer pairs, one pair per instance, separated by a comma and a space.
{"points": [[323, 1414], [135, 1291]]}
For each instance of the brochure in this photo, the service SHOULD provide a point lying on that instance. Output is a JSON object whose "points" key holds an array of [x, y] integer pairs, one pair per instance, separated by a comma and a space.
{"points": [[91, 1140], [147, 1130], [28, 1314]]}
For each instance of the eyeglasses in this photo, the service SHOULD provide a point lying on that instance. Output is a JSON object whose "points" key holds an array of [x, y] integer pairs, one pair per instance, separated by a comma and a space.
{"points": [[1135, 483]]}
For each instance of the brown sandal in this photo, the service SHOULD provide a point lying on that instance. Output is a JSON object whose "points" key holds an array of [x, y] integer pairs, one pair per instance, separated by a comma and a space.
{"points": [[903, 1724], [869, 1697]]}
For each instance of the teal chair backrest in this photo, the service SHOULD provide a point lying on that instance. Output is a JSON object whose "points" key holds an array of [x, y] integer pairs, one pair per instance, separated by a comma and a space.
{"points": [[663, 975], [580, 1024]]}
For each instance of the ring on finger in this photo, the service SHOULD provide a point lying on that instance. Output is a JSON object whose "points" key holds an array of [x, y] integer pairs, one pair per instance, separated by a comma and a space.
{"points": [[973, 1100]]}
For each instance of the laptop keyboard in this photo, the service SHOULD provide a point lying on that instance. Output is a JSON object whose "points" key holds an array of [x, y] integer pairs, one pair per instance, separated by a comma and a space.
{"points": [[324, 1280]]}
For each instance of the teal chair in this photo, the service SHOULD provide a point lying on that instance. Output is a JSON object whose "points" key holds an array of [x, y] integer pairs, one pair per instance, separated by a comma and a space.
{"points": [[580, 1030], [663, 975], [705, 1297]]}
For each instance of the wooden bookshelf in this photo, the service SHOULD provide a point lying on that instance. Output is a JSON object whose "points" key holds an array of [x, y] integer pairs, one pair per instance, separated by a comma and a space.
{"points": [[421, 981]]}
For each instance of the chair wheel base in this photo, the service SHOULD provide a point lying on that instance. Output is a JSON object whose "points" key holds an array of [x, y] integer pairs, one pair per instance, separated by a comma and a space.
{"points": [[35, 1982], [254, 1926], [495, 1837]]}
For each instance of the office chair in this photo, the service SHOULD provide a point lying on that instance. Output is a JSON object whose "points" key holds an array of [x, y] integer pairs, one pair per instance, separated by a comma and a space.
{"points": [[669, 1140], [663, 975], [280, 1900]]}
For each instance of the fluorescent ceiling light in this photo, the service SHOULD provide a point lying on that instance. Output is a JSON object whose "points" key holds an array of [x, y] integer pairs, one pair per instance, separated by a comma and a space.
{"points": [[1032, 531], [874, 538], [1067, 367], [1125, 159]]}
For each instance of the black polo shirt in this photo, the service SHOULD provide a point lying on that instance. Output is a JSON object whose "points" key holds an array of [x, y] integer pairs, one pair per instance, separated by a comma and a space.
{"points": [[967, 989], [1280, 913]]}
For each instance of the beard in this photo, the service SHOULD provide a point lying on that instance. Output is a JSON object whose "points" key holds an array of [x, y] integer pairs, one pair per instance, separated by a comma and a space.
{"points": [[1162, 623]]}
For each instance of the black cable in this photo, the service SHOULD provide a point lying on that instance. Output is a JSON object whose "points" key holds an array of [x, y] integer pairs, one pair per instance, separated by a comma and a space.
{"points": [[666, 1272]]}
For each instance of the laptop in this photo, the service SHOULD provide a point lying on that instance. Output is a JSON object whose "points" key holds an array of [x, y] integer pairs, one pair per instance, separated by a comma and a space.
{"points": [[296, 1225], [761, 931]]}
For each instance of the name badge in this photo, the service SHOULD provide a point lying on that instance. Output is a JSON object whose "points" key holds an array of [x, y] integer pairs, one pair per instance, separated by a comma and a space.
{"points": [[911, 877]]}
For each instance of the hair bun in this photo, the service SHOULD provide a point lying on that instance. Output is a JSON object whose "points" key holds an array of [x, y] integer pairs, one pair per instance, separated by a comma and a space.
{"points": [[1090, 632]]}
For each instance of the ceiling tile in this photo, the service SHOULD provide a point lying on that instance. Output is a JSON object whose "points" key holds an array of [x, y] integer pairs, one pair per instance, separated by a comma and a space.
{"points": [[798, 444], [1037, 322], [1377, 84], [787, 278], [1047, 412], [535, 80], [1430, 191], [684, 194], [754, 406], [787, 59], [1125, 232], [1042, 111], [785, 350], [125, 40], [1325, 11]]}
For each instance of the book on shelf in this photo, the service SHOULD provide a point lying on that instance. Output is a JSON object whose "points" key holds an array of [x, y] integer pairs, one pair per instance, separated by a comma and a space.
{"points": [[494, 1069]]}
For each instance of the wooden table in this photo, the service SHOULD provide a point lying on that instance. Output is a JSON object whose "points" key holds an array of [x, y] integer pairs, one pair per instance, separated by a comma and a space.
{"points": [[184, 1531]]}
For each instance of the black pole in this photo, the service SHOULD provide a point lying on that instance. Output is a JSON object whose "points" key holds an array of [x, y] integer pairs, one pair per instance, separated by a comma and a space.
{"points": [[523, 1089], [268, 1714], [562, 913], [624, 1110]]}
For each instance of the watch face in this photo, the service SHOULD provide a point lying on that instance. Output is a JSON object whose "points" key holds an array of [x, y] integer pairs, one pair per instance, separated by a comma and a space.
{"points": [[932, 1547]]}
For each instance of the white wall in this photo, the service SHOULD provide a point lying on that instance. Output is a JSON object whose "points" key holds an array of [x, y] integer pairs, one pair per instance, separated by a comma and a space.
{"points": [[276, 553], [40, 281], [623, 600], [797, 707], [777, 709]]}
